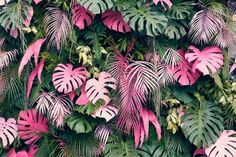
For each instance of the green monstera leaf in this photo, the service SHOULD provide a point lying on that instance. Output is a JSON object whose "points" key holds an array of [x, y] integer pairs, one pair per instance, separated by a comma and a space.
{"points": [[175, 29], [203, 125], [144, 20], [96, 6], [80, 124]]}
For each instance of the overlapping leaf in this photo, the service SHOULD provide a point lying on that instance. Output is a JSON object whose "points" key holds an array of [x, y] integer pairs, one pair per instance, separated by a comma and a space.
{"points": [[81, 16], [208, 61], [114, 21], [66, 79], [7, 57], [31, 125], [96, 6]]}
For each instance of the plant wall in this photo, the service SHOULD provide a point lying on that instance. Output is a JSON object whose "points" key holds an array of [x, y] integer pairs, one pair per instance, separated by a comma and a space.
{"points": [[117, 78]]}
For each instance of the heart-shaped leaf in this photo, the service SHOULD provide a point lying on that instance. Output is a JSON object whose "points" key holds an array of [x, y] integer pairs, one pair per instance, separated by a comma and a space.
{"points": [[97, 89], [81, 17], [225, 146], [114, 21], [30, 125], [208, 61], [65, 79], [8, 131]]}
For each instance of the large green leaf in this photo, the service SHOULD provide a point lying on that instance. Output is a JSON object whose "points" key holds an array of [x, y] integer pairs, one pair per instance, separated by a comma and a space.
{"points": [[144, 20], [13, 15], [202, 125], [181, 9], [117, 147], [80, 123], [96, 6], [175, 29]]}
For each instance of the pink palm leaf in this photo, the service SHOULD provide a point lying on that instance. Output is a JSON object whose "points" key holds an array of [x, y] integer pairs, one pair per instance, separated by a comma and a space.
{"points": [[114, 21], [224, 146], [208, 61], [32, 50], [81, 17], [7, 57], [204, 25], [66, 79], [31, 125], [8, 131], [97, 89], [59, 109], [102, 132], [183, 72]]}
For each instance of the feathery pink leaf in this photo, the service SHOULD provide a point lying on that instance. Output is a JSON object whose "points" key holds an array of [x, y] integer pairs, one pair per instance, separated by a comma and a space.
{"points": [[65, 79], [37, 71], [31, 125], [8, 131], [208, 61], [32, 50], [97, 89], [81, 17], [114, 21]]}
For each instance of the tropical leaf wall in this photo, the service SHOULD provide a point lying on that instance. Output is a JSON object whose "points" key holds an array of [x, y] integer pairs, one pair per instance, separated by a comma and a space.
{"points": [[117, 78]]}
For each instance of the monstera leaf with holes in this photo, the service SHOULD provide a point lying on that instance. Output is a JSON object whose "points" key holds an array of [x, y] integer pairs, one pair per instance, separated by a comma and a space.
{"points": [[180, 9], [81, 124], [144, 20], [81, 17], [97, 89], [208, 61], [8, 131], [108, 112], [202, 125], [183, 72], [175, 29], [114, 21], [224, 146], [96, 6], [31, 125], [66, 79]]}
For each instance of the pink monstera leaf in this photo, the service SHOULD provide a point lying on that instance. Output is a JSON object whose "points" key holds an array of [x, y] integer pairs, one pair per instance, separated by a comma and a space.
{"points": [[96, 89], [32, 50], [31, 152], [108, 112], [82, 99], [199, 152], [29, 16], [114, 21], [183, 72], [31, 125], [81, 17], [66, 79], [37, 71], [208, 61], [8, 131], [142, 130], [168, 2], [224, 146]]}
